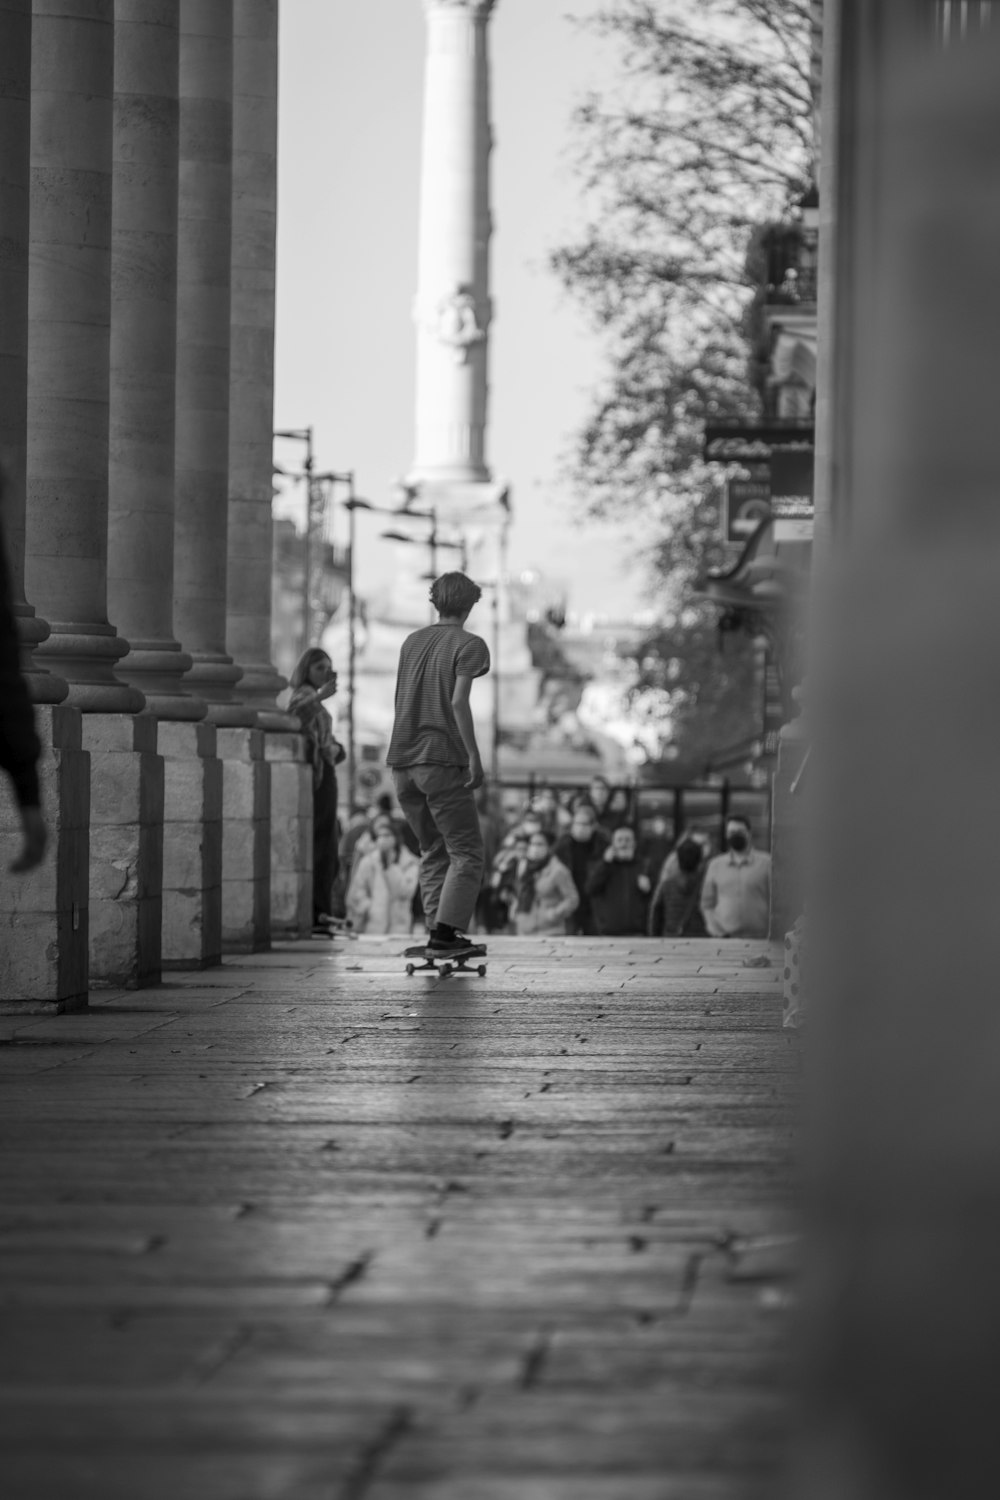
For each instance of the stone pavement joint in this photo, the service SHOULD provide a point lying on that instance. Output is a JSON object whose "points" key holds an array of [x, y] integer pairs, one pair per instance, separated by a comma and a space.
{"points": [[304, 1227]]}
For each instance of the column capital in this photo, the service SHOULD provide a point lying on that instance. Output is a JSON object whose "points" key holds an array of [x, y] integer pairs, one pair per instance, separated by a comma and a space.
{"points": [[475, 8]]}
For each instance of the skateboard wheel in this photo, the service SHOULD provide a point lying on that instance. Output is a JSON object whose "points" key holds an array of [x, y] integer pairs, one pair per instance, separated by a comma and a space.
{"points": [[409, 968], [481, 971]]}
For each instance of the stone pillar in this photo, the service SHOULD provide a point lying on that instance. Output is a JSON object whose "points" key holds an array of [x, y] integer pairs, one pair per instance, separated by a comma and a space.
{"points": [[143, 353], [246, 841], [291, 836], [251, 366], [126, 849], [453, 308], [204, 245], [69, 305], [44, 914], [15, 174], [192, 853]]}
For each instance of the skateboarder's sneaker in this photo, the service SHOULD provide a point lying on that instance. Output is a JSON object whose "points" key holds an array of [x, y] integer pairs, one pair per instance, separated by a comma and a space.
{"points": [[438, 948]]}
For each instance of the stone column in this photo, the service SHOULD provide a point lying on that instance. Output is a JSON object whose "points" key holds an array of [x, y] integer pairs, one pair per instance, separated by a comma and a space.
{"points": [[43, 916], [15, 174], [453, 308], [143, 353], [251, 364], [192, 884], [69, 305], [204, 242], [246, 854]]}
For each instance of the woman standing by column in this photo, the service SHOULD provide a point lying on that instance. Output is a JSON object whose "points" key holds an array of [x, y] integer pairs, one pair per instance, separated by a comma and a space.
{"points": [[312, 682]]}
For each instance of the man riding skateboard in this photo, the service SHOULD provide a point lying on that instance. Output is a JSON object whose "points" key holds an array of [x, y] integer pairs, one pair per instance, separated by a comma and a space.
{"points": [[435, 761]]}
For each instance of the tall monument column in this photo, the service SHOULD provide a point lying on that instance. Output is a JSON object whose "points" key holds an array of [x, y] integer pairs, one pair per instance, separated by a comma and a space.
{"points": [[453, 309]]}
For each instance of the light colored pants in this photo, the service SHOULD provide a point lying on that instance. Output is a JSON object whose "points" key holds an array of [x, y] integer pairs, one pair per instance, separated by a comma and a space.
{"points": [[442, 813]]}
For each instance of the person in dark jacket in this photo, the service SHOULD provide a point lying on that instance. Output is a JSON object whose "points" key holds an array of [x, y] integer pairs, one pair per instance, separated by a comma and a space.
{"points": [[580, 849], [19, 743], [619, 887], [675, 910]]}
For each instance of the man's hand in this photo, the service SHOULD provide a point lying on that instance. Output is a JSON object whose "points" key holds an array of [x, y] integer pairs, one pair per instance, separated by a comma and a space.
{"points": [[476, 775], [644, 884], [609, 855], [36, 836]]}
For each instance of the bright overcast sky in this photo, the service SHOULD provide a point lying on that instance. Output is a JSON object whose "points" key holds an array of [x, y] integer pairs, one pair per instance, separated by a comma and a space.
{"points": [[351, 84]]}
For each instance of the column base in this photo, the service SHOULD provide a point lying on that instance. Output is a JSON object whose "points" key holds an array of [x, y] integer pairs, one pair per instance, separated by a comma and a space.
{"points": [[291, 835], [126, 849], [156, 668], [192, 846], [85, 657], [44, 915], [43, 687], [246, 841]]}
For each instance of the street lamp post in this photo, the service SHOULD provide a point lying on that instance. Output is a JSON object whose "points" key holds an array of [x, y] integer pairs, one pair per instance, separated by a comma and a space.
{"points": [[305, 435]]}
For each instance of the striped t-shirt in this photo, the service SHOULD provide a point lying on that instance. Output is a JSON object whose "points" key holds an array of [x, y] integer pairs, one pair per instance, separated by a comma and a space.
{"points": [[425, 730]]}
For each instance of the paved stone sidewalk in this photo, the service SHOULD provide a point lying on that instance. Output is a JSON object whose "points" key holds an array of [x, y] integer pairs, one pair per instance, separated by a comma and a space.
{"points": [[302, 1228]]}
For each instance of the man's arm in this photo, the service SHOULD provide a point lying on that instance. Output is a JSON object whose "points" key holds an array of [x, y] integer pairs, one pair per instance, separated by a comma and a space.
{"points": [[466, 728]]}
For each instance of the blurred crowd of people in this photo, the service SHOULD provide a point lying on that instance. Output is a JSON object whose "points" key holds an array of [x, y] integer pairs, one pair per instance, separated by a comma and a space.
{"points": [[578, 862]]}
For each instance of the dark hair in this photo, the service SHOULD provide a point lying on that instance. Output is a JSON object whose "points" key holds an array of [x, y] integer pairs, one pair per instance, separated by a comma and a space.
{"points": [[688, 855], [308, 659], [384, 802], [738, 818], [543, 833], [454, 594]]}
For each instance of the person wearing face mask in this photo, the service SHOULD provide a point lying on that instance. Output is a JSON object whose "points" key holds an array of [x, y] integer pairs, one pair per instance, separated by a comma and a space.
{"points": [[545, 896], [579, 849], [619, 888], [736, 893], [380, 897]]}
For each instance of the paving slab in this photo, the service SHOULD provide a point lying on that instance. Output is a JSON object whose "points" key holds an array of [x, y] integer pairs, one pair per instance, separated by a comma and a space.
{"points": [[305, 1228]]}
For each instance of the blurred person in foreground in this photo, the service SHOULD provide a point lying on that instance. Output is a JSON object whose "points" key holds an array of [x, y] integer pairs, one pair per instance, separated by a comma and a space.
{"points": [[19, 743], [619, 888], [313, 681], [435, 760], [736, 892], [675, 908], [545, 894], [580, 849]]}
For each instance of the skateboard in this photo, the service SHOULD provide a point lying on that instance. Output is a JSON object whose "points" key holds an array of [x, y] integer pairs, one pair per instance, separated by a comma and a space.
{"points": [[452, 963], [336, 927]]}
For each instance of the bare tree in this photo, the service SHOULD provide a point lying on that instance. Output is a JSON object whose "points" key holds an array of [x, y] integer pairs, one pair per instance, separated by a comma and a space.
{"points": [[709, 132]]}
